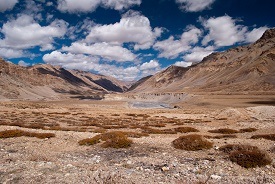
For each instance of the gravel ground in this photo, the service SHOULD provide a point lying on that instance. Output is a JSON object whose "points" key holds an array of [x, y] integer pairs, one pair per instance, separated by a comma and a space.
{"points": [[149, 160]]}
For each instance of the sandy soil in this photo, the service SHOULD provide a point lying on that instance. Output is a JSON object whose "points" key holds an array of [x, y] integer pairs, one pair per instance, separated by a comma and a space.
{"points": [[150, 159]]}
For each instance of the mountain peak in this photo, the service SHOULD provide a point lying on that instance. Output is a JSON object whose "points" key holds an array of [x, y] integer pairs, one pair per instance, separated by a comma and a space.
{"points": [[268, 34]]}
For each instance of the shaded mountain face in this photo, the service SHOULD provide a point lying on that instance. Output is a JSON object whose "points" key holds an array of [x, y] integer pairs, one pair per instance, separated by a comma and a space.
{"points": [[46, 81], [242, 69]]}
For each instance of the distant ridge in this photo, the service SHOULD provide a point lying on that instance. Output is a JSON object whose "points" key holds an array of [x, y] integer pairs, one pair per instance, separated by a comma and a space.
{"points": [[46, 81], [243, 69]]}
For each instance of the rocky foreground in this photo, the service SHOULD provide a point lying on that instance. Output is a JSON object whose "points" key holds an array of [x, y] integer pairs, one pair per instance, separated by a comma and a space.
{"points": [[149, 159]]}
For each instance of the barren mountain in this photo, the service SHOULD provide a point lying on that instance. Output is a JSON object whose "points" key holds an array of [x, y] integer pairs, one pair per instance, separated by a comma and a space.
{"points": [[243, 69], [46, 81]]}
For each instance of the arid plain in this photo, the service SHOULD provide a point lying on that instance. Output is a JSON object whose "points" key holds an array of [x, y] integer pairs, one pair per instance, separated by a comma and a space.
{"points": [[151, 157]]}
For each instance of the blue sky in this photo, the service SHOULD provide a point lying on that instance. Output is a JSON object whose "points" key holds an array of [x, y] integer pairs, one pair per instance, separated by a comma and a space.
{"points": [[127, 39]]}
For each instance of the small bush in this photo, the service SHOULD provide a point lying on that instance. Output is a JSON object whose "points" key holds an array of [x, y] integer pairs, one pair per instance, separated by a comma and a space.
{"points": [[115, 139], [90, 141], [136, 134], [11, 133], [264, 136], [224, 131], [186, 129], [221, 136], [248, 130], [192, 143], [237, 147], [250, 159], [20, 133], [148, 130], [246, 155]]}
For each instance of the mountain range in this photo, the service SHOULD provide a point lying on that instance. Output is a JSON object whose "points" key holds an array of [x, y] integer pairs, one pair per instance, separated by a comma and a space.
{"points": [[244, 69]]}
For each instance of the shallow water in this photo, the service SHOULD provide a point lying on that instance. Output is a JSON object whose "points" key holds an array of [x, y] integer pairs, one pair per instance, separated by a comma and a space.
{"points": [[149, 105]]}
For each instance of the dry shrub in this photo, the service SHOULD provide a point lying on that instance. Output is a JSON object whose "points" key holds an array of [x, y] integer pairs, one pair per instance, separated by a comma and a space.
{"points": [[90, 141], [99, 130], [136, 134], [250, 159], [39, 135], [221, 136], [224, 131], [264, 136], [114, 139], [237, 147], [246, 156], [149, 130], [192, 143], [11, 133], [158, 125], [20, 133], [186, 129], [248, 130]]}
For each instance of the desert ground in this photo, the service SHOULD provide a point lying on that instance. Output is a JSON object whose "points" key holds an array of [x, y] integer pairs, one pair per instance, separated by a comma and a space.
{"points": [[152, 157]]}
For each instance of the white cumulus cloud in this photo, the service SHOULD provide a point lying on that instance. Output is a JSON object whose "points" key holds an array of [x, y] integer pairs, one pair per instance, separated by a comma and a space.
{"points": [[23, 63], [183, 64], [224, 31], [7, 5], [255, 34], [194, 5], [198, 53], [91, 63], [75, 6], [149, 65], [132, 28], [171, 48], [69, 60], [24, 33], [120, 4], [104, 50], [11, 53]]}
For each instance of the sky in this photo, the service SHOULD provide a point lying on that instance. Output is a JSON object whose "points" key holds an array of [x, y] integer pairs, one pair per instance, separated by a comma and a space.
{"points": [[127, 39]]}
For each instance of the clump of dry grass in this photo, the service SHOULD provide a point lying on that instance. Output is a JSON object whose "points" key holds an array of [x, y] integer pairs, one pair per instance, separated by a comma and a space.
{"points": [[185, 129], [192, 142], [221, 136], [114, 139], [248, 130], [20, 133], [229, 148], [246, 156], [224, 131], [149, 130], [264, 136]]}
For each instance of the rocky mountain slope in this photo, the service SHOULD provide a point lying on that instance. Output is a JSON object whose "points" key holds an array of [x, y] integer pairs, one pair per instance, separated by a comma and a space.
{"points": [[46, 81], [242, 69]]}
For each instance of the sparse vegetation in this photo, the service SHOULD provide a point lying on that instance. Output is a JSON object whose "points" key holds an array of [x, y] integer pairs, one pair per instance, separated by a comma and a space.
{"points": [[224, 131], [250, 159], [264, 136], [221, 136], [116, 139], [192, 142], [246, 155], [149, 130], [186, 129], [20, 133], [248, 130]]}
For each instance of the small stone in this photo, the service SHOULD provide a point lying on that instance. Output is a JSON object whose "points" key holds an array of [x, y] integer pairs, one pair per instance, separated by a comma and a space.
{"points": [[129, 162], [164, 169], [216, 177]]}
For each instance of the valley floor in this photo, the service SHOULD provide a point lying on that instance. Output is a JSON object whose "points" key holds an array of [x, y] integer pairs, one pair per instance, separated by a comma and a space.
{"points": [[150, 159]]}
